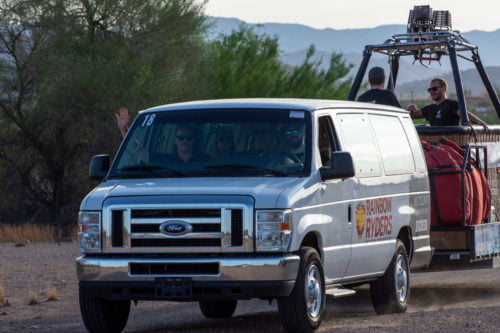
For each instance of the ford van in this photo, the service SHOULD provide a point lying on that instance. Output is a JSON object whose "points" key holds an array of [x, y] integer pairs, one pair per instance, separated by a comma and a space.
{"points": [[227, 200]]}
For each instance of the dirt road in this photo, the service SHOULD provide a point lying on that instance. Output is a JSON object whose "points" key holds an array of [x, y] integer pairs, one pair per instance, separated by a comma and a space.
{"points": [[453, 301]]}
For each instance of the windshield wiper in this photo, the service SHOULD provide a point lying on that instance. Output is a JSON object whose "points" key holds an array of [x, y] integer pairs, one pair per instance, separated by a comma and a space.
{"points": [[142, 168], [248, 167]]}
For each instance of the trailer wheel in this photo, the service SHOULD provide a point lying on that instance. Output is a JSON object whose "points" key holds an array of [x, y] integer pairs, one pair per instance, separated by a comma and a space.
{"points": [[390, 293], [218, 309], [102, 315], [301, 311]]}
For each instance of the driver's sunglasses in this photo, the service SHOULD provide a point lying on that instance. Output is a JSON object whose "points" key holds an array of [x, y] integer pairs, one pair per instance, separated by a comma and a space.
{"points": [[182, 138], [433, 89], [292, 132]]}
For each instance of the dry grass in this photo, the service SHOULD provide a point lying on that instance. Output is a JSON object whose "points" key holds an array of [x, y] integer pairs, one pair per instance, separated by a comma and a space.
{"points": [[52, 294], [31, 232], [3, 299], [33, 298]]}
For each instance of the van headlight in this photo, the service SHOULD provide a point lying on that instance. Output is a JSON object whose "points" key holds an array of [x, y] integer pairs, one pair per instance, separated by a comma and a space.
{"points": [[89, 231], [274, 230]]}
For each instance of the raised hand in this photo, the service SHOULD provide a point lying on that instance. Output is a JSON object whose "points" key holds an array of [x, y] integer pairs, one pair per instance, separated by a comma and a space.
{"points": [[122, 120]]}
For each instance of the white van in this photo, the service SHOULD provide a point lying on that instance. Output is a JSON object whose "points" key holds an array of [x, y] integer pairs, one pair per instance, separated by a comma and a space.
{"points": [[225, 200]]}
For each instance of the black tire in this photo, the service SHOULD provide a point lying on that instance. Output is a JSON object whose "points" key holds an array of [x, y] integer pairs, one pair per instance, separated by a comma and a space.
{"points": [[301, 311], [101, 315], [218, 309], [391, 292]]}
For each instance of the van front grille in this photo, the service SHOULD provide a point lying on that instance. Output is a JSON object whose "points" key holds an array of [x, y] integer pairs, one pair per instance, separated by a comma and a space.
{"points": [[139, 228]]}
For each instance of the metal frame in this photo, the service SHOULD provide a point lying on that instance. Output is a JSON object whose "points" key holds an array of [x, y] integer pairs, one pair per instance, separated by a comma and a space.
{"points": [[428, 46]]}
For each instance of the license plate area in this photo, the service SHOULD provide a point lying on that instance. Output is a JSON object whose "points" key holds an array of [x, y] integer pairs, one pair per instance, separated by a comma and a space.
{"points": [[173, 288]]}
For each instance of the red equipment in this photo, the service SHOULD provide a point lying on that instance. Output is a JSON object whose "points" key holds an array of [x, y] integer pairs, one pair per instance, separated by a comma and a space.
{"points": [[460, 194]]}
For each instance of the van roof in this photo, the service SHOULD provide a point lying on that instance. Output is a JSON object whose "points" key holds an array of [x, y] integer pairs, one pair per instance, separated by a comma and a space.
{"points": [[272, 103]]}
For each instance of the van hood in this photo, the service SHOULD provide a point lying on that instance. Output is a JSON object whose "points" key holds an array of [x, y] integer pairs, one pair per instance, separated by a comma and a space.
{"points": [[265, 190]]}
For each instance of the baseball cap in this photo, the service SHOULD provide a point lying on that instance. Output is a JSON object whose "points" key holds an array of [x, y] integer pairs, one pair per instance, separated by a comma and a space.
{"points": [[376, 73]]}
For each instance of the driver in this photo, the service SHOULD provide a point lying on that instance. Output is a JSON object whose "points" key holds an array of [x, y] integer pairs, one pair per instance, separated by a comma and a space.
{"points": [[184, 141], [294, 138]]}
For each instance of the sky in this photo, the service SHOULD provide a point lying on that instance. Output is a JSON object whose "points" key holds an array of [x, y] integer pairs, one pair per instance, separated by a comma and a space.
{"points": [[466, 15]]}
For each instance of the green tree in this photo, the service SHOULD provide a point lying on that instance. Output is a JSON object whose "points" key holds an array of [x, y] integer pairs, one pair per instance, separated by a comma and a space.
{"points": [[310, 81], [246, 64], [65, 66]]}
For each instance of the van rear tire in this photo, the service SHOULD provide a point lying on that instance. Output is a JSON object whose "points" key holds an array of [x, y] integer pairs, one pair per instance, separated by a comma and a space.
{"points": [[102, 315], [301, 311], [391, 292]]}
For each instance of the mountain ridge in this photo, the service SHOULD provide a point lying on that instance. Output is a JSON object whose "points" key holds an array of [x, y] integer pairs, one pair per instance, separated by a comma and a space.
{"points": [[295, 39]]}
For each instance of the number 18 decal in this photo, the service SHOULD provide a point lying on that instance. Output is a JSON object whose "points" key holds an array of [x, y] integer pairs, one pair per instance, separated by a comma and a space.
{"points": [[148, 120]]}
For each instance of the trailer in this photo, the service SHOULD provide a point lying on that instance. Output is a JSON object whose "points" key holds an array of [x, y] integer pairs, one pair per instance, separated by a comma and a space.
{"points": [[430, 38]]}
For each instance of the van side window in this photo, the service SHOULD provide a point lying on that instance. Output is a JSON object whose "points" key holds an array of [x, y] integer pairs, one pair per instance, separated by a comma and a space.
{"points": [[326, 143], [359, 141], [396, 152], [415, 144]]}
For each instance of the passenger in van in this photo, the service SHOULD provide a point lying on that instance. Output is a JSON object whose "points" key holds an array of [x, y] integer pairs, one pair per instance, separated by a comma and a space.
{"points": [[263, 143], [224, 143], [444, 111], [377, 94]]}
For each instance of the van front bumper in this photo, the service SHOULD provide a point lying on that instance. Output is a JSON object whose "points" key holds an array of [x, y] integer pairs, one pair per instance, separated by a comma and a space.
{"points": [[187, 278]]}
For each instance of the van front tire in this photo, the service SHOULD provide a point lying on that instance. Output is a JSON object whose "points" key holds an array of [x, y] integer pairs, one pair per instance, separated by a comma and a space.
{"points": [[102, 315], [301, 311], [391, 292]]}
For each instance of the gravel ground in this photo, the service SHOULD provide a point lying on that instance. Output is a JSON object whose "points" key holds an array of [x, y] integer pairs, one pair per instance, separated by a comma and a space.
{"points": [[450, 301]]}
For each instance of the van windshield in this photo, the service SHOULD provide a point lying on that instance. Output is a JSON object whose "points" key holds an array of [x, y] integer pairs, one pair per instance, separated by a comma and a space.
{"points": [[216, 143]]}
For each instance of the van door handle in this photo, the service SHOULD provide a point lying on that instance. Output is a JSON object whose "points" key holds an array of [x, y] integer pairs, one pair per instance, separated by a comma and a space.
{"points": [[349, 213]]}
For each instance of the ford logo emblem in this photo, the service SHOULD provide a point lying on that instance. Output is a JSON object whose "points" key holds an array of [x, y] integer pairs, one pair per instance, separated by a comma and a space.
{"points": [[175, 228]]}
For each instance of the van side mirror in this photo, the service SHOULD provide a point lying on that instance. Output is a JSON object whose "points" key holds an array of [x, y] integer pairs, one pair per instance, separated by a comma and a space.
{"points": [[342, 166], [99, 167]]}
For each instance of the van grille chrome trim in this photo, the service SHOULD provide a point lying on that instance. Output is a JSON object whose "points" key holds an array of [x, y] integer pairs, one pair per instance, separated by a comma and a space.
{"points": [[224, 227], [170, 242], [175, 213], [154, 227]]}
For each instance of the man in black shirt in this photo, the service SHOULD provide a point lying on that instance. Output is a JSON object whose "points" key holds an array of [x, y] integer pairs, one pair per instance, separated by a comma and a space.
{"points": [[377, 94], [444, 111]]}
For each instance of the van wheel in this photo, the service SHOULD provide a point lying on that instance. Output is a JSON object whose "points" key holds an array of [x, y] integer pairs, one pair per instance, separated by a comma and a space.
{"points": [[102, 315], [390, 293], [218, 309], [301, 311]]}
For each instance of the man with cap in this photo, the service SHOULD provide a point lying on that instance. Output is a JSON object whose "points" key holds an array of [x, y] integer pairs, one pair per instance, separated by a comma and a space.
{"points": [[377, 94]]}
